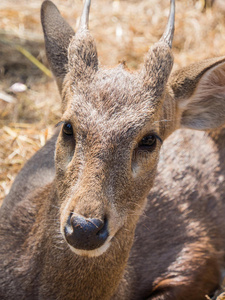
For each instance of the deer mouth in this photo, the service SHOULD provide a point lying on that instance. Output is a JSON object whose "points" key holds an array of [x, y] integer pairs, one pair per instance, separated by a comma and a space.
{"points": [[92, 253]]}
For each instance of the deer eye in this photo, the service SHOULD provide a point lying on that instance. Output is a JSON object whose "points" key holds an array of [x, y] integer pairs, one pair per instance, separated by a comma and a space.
{"points": [[148, 142], [67, 129]]}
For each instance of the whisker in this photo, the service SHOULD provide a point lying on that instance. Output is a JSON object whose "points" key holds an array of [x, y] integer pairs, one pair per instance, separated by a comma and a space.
{"points": [[53, 205], [117, 241], [162, 121]]}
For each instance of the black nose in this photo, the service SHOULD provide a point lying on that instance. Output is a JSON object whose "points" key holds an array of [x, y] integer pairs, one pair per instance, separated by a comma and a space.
{"points": [[86, 234]]}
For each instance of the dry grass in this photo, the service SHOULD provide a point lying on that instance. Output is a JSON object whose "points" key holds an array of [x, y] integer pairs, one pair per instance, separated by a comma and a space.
{"points": [[123, 30]]}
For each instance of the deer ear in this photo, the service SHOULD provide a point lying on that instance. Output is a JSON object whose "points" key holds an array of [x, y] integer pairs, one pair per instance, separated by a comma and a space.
{"points": [[57, 33], [199, 91]]}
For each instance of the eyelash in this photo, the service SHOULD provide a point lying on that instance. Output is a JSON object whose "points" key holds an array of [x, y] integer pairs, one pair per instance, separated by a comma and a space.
{"points": [[148, 142], [158, 138], [60, 123]]}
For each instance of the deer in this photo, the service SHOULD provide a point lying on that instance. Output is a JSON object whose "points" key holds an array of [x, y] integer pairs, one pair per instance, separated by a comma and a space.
{"points": [[127, 199]]}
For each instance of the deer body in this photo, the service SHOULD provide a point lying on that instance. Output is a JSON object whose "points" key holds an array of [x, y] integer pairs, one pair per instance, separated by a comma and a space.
{"points": [[79, 221], [178, 222]]}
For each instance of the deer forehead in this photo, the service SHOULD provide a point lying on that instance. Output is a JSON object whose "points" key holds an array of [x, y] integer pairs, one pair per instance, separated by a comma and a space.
{"points": [[114, 102]]}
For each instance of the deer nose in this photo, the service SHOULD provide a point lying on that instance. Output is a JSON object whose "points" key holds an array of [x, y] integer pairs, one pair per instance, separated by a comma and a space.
{"points": [[85, 234]]}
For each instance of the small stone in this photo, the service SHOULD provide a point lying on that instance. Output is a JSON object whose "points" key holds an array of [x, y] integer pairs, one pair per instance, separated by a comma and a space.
{"points": [[18, 88]]}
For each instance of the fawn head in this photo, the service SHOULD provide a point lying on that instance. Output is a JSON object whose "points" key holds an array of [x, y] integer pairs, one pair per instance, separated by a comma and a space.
{"points": [[113, 126]]}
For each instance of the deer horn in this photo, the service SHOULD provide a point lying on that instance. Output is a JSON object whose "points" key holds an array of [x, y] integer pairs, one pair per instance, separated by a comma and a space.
{"points": [[159, 60], [169, 31], [82, 52], [85, 16]]}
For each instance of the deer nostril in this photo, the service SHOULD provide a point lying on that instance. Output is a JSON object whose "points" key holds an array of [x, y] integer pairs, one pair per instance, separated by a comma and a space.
{"points": [[85, 233], [103, 231]]}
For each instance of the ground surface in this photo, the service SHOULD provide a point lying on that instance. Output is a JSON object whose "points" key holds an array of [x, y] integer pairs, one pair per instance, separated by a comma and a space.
{"points": [[123, 30]]}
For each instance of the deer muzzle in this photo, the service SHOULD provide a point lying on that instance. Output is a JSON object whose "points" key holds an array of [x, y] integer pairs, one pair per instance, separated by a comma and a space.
{"points": [[85, 233]]}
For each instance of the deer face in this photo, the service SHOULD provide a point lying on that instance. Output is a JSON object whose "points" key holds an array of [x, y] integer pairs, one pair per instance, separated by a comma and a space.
{"points": [[108, 147], [107, 150]]}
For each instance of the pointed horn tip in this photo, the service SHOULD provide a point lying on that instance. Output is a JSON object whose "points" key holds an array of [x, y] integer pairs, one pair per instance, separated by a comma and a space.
{"points": [[169, 31], [85, 15]]}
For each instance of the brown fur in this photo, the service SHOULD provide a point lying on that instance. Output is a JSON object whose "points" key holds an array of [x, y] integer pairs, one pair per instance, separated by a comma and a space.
{"points": [[166, 244]]}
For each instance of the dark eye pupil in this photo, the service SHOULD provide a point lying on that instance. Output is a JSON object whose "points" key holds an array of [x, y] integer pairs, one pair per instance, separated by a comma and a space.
{"points": [[68, 129], [148, 141]]}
